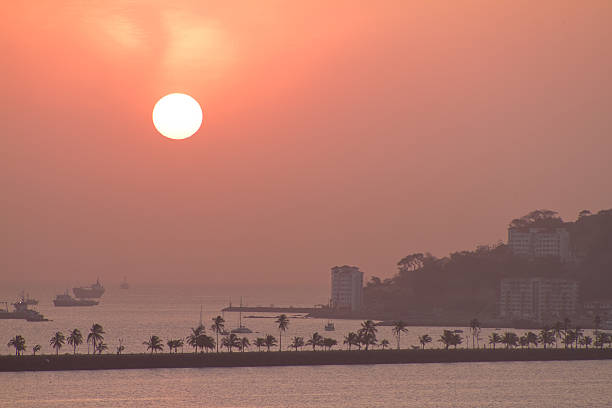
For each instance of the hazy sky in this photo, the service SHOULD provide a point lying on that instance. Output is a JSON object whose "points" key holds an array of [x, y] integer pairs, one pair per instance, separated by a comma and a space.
{"points": [[334, 133]]}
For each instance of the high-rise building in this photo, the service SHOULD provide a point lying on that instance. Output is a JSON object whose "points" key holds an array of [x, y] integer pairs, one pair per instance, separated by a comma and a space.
{"points": [[537, 298], [346, 288], [540, 242]]}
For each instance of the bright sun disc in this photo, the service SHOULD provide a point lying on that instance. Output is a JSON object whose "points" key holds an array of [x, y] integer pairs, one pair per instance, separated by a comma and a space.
{"points": [[177, 116]]}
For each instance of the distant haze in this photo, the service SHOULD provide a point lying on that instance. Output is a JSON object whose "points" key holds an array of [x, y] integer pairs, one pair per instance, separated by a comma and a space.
{"points": [[333, 134]]}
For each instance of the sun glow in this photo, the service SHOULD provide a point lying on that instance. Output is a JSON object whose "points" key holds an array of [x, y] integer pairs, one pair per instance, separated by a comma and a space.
{"points": [[177, 116]]}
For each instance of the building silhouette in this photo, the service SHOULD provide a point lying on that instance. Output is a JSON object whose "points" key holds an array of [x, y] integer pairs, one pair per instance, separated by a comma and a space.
{"points": [[540, 242], [346, 288]]}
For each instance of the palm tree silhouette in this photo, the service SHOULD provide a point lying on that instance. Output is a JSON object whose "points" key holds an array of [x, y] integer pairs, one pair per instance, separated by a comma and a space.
{"points": [[315, 340], [101, 347], [384, 344], [586, 341], [19, 343], [367, 333], [95, 336], [424, 339], [328, 343], [283, 323], [532, 338], [154, 344], [298, 342], [399, 327], [230, 342], [35, 349], [57, 341], [270, 341], [547, 337], [207, 343], [195, 338], [352, 339], [494, 339], [260, 342], [475, 330], [558, 332], [75, 339], [218, 326], [510, 339], [244, 343]]}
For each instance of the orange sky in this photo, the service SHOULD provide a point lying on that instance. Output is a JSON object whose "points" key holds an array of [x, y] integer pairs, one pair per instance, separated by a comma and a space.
{"points": [[333, 133]]}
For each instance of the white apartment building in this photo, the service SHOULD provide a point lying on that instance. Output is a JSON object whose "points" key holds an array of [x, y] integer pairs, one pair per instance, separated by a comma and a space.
{"points": [[346, 287], [540, 242], [537, 298]]}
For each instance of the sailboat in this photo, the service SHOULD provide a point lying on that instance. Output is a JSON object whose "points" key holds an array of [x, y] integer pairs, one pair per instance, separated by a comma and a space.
{"points": [[241, 328]]}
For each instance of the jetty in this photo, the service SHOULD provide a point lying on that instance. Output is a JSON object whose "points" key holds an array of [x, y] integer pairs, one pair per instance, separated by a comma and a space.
{"points": [[289, 358], [270, 309]]}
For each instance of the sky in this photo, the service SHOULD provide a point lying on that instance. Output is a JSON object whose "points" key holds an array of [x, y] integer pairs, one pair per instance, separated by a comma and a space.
{"points": [[334, 133]]}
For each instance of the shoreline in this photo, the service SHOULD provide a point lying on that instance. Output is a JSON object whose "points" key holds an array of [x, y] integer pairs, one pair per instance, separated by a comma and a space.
{"points": [[289, 358]]}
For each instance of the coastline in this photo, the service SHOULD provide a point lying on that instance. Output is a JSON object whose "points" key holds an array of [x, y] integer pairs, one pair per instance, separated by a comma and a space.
{"points": [[289, 358]]}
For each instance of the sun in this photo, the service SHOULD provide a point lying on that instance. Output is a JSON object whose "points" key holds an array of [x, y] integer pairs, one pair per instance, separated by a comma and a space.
{"points": [[177, 116]]}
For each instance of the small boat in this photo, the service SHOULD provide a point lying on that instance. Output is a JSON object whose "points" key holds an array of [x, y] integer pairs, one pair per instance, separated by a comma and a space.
{"points": [[124, 284], [330, 326], [67, 300], [28, 300], [241, 328]]}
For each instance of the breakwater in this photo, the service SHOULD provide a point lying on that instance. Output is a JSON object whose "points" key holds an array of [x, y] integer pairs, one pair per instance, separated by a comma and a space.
{"points": [[288, 358], [270, 309]]}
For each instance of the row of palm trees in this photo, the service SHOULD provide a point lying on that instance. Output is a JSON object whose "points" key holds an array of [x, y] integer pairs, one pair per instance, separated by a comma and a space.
{"points": [[365, 338]]}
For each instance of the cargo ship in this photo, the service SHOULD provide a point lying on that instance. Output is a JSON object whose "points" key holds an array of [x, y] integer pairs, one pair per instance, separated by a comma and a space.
{"points": [[88, 292], [67, 300], [21, 311]]}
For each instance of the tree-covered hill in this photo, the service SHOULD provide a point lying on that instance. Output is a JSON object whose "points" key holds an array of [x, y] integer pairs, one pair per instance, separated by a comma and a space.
{"points": [[467, 282]]}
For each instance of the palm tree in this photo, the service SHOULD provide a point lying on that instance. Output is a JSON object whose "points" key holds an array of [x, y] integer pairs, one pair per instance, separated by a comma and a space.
{"points": [[578, 335], [566, 324], [178, 343], [424, 339], [586, 341], [270, 341], [510, 339], [195, 338], [170, 343], [399, 327], [218, 326], [283, 323], [298, 342], [19, 343], [523, 341], [494, 339], [532, 338], [547, 337], [75, 339], [207, 343], [230, 342], [569, 338], [315, 340], [558, 332], [328, 343], [352, 339], [384, 344], [36, 349], [244, 343], [475, 330], [259, 343], [368, 333], [449, 338], [154, 344], [95, 336], [601, 339], [57, 341], [101, 347]]}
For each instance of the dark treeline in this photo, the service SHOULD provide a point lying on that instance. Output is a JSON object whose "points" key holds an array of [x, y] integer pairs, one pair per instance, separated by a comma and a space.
{"points": [[466, 283]]}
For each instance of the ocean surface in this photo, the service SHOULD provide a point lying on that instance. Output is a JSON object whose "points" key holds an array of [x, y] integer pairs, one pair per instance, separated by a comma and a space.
{"points": [[170, 312]]}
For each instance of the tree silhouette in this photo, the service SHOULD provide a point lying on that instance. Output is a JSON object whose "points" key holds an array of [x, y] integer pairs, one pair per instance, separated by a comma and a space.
{"points": [[57, 341], [494, 339], [270, 341], [35, 349], [298, 342], [218, 326], [95, 336], [154, 344], [399, 327], [19, 343], [352, 339], [75, 339], [424, 339], [315, 341], [283, 323]]}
